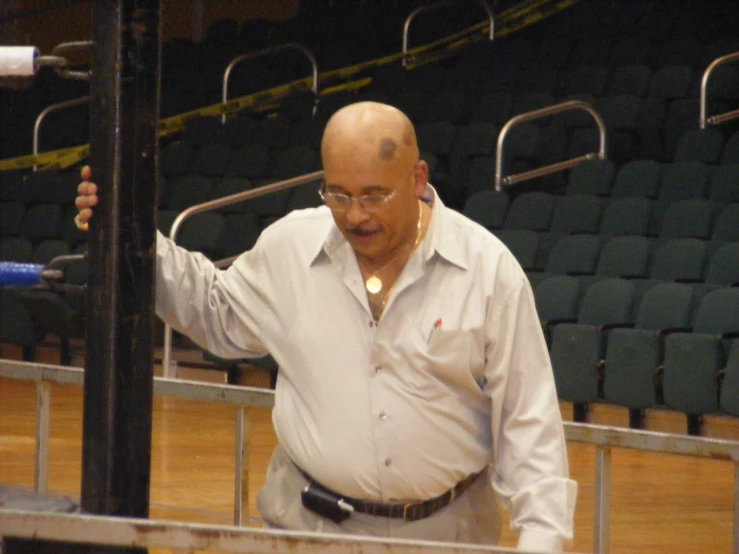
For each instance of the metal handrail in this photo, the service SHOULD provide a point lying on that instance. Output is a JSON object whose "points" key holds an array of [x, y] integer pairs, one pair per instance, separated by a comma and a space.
{"points": [[214, 205], [53, 108], [720, 118], [264, 52], [241, 397], [442, 3], [604, 438], [191, 537], [501, 181]]}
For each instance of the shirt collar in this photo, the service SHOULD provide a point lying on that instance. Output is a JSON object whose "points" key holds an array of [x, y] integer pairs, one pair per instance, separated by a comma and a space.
{"points": [[441, 236]]}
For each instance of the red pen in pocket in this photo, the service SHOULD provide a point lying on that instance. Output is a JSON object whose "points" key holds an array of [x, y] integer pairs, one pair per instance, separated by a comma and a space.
{"points": [[437, 325]]}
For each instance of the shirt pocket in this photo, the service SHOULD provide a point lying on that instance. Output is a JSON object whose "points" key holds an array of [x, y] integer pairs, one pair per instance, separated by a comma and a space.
{"points": [[442, 362], [449, 348]]}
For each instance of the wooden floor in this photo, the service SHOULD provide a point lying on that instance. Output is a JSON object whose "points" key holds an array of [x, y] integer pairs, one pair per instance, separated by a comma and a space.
{"points": [[660, 503]]}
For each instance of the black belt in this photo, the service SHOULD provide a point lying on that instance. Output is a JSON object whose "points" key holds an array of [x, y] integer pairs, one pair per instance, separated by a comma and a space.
{"points": [[411, 511]]}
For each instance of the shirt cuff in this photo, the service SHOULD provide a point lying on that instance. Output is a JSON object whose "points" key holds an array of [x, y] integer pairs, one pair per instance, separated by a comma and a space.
{"points": [[535, 540]]}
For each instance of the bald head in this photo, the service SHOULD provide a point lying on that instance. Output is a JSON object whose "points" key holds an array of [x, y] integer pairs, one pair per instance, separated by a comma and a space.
{"points": [[369, 132]]}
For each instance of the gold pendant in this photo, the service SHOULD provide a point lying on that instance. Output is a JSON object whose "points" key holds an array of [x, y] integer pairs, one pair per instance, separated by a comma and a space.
{"points": [[373, 284]]}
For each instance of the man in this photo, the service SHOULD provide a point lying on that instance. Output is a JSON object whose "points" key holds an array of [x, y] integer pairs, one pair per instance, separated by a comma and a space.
{"points": [[411, 356]]}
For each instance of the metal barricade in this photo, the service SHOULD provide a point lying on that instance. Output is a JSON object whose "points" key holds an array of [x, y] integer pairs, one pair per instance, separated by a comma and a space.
{"points": [[604, 438], [264, 52], [242, 398], [187, 538], [442, 3], [501, 181], [50, 109], [719, 118]]}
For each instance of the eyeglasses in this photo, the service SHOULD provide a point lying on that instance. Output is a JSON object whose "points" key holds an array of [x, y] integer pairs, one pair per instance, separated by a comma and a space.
{"points": [[369, 203]]}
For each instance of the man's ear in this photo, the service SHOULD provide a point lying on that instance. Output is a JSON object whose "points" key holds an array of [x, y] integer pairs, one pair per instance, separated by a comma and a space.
{"points": [[421, 175]]}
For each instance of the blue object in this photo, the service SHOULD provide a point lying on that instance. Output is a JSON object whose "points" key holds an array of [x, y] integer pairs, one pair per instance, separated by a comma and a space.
{"points": [[20, 274]]}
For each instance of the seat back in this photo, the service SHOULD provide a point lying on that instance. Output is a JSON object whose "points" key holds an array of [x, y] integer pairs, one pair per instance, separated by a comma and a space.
{"points": [[701, 145], [724, 187], [724, 266], [574, 255], [607, 301], [557, 298], [523, 244], [665, 305], [726, 226], [680, 260], [688, 219], [626, 216], [638, 178], [530, 210], [576, 214], [684, 180], [592, 177], [626, 256], [718, 312], [488, 208]]}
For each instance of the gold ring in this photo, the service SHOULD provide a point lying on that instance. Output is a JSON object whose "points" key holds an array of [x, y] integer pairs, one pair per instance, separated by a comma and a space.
{"points": [[81, 226]]}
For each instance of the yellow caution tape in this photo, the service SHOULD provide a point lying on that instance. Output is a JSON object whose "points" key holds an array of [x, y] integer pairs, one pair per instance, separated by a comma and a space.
{"points": [[177, 122], [526, 18], [68, 160], [531, 12], [354, 85], [31, 160], [528, 12], [68, 157]]}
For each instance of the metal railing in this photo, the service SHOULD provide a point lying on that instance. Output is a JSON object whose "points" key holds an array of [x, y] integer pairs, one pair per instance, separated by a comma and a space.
{"points": [[442, 3], [501, 181], [265, 52], [602, 437], [214, 205], [53, 108], [189, 538], [704, 121], [242, 398], [606, 438]]}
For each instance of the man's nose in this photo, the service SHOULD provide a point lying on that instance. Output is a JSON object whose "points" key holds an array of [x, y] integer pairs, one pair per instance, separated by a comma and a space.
{"points": [[356, 215]]}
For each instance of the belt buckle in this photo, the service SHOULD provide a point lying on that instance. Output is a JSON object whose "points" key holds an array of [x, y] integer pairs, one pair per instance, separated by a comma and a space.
{"points": [[408, 516]]}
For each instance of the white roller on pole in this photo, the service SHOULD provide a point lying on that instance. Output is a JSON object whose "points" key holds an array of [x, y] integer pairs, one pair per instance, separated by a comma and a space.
{"points": [[18, 61]]}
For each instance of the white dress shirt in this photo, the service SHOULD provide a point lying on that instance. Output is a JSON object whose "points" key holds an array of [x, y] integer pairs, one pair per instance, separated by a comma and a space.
{"points": [[454, 376]]}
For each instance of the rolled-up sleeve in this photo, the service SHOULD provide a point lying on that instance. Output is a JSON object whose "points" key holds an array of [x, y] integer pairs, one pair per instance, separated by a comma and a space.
{"points": [[215, 308], [531, 472]]}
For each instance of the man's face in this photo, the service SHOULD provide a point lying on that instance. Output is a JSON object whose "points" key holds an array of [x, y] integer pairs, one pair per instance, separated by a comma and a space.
{"points": [[389, 192]]}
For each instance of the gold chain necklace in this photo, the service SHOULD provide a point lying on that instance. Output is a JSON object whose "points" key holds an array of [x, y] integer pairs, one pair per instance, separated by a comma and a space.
{"points": [[373, 283]]}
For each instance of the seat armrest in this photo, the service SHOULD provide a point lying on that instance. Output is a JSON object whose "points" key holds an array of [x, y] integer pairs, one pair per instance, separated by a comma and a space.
{"points": [[550, 322], [670, 330], [622, 325]]}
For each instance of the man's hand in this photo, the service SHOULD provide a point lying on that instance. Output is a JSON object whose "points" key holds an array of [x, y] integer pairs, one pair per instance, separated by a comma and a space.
{"points": [[87, 198]]}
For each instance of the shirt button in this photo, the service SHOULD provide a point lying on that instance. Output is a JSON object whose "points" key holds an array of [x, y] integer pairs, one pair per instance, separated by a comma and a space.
{"points": [[383, 416], [388, 461], [371, 323], [378, 369]]}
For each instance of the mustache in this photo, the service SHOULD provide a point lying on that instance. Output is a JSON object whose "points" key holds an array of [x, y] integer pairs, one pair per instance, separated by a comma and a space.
{"points": [[360, 231]]}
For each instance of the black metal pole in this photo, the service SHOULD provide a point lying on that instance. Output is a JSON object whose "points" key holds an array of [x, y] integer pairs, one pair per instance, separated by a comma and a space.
{"points": [[124, 113]]}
